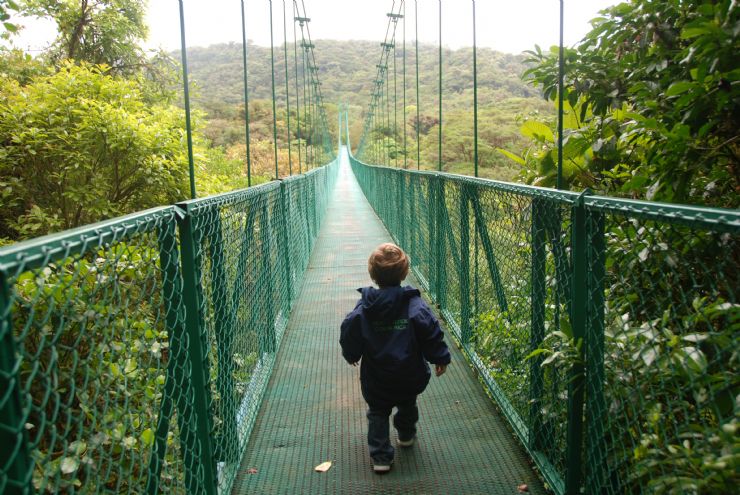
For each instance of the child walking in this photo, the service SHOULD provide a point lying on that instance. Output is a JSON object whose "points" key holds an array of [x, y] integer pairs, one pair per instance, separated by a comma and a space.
{"points": [[394, 333]]}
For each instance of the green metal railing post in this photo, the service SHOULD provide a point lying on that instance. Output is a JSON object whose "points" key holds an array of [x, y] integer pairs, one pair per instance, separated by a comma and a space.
{"points": [[596, 409], [432, 230], [441, 243], [169, 264], [465, 330], [268, 338], [224, 332], [15, 459], [196, 352], [284, 242], [537, 333], [578, 319]]}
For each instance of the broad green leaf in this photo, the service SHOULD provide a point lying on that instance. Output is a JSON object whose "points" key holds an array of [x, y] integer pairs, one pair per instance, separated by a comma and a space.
{"points": [[511, 155], [534, 129], [679, 87], [69, 465], [147, 437]]}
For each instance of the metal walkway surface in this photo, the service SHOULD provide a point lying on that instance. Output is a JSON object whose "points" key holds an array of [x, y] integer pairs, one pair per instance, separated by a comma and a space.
{"points": [[313, 410]]}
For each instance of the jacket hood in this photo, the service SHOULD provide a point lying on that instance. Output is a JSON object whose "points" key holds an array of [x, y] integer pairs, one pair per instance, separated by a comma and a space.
{"points": [[385, 303]]}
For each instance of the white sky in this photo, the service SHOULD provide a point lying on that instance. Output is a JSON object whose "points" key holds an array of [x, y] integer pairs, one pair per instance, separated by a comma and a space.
{"points": [[505, 25]]}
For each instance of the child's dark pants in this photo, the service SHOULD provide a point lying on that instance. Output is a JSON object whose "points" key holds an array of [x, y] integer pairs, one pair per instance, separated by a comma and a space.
{"points": [[378, 434]]}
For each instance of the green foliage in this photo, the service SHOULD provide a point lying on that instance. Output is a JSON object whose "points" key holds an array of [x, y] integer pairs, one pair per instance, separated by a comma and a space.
{"points": [[99, 32], [6, 8], [102, 341], [653, 97], [79, 146]]}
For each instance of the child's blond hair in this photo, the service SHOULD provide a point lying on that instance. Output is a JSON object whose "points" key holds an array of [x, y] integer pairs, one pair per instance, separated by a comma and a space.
{"points": [[388, 265]]}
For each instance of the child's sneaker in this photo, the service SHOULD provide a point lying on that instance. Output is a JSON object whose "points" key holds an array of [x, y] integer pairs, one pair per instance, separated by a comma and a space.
{"points": [[406, 443], [382, 467]]}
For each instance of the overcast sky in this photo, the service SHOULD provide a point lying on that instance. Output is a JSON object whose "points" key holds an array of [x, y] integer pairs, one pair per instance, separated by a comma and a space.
{"points": [[505, 25]]}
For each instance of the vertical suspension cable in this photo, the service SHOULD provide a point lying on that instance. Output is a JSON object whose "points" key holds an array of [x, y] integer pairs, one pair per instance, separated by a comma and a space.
{"points": [[405, 154], [306, 97], [395, 98], [439, 145], [274, 110], [297, 94], [418, 100], [186, 96], [387, 113], [287, 93], [246, 93], [561, 76], [475, 97]]}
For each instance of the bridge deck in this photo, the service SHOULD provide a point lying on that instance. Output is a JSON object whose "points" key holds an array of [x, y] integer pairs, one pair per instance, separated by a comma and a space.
{"points": [[313, 410]]}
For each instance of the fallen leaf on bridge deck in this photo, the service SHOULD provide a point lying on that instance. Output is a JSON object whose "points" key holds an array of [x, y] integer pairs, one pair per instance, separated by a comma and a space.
{"points": [[323, 467], [523, 488]]}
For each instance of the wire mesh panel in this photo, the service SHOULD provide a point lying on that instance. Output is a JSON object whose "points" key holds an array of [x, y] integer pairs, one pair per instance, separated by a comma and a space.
{"points": [[135, 352], [251, 251], [572, 306], [94, 368], [663, 386]]}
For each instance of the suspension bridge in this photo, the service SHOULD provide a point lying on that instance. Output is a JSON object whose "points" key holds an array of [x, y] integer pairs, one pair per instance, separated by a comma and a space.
{"points": [[193, 348]]}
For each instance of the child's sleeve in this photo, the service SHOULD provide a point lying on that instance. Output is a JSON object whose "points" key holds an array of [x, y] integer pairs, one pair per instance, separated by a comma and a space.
{"points": [[350, 337], [430, 337]]}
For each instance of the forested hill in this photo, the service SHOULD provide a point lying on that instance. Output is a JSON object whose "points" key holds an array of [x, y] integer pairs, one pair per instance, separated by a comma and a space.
{"points": [[347, 70]]}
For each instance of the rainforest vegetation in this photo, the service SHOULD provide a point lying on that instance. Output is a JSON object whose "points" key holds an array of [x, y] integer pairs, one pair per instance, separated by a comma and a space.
{"points": [[93, 128]]}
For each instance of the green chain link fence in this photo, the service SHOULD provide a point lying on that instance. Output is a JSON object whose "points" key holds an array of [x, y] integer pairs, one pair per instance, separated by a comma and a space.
{"points": [[134, 352], [605, 329]]}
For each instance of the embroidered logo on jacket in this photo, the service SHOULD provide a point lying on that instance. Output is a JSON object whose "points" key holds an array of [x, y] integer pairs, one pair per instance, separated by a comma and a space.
{"points": [[390, 326]]}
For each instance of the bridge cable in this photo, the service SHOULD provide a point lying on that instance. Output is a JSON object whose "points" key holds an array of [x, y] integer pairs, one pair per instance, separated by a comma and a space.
{"points": [[287, 93], [246, 94], [297, 94], [418, 101], [439, 153], [274, 115], [186, 95]]}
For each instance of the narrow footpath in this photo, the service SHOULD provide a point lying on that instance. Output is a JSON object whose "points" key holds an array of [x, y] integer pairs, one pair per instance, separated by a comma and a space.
{"points": [[313, 410]]}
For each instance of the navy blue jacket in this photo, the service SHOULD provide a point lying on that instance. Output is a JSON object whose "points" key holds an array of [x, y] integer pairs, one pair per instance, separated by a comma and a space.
{"points": [[395, 333]]}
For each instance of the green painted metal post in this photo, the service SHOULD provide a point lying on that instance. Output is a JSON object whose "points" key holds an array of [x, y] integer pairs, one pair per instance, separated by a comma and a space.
{"points": [[169, 265], [597, 471], [465, 329], [490, 256], [537, 332], [441, 244], [284, 225], [268, 338], [196, 352], [224, 328], [578, 319], [431, 229], [15, 458]]}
